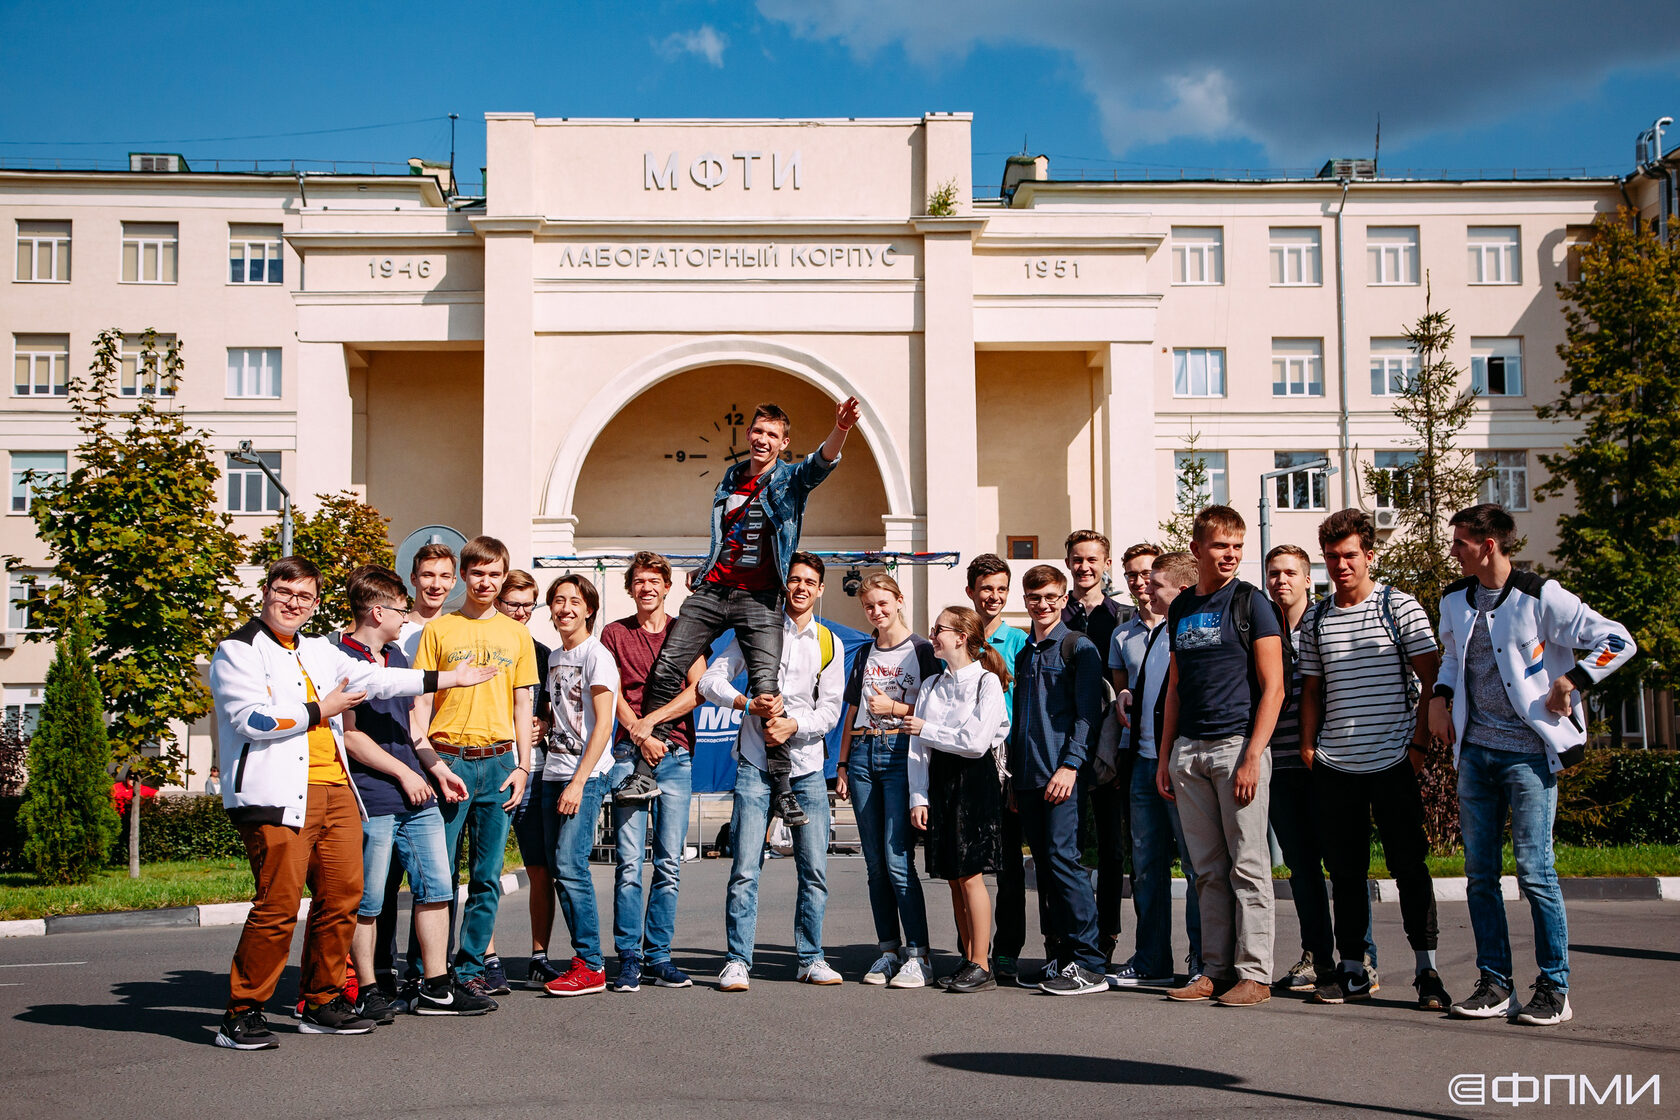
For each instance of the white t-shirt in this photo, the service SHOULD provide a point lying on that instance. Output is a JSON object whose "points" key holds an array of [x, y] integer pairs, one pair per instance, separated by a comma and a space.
{"points": [[573, 675], [895, 673], [408, 638]]}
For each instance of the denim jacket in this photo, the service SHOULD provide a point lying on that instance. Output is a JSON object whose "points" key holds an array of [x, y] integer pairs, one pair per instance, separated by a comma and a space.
{"points": [[783, 496]]}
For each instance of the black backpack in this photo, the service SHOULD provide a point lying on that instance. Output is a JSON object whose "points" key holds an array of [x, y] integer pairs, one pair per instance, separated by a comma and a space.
{"points": [[1242, 620]]}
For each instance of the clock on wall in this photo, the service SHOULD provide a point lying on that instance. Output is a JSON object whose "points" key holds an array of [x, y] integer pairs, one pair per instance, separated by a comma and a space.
{"points": [[719, 445]]}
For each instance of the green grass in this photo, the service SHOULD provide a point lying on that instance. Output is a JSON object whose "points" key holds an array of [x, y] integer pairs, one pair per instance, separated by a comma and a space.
{"points": [[181, 883], [1573, 862]]}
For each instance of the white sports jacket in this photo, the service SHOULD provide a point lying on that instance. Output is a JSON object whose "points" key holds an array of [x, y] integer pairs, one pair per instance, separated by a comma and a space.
{"points": [[1535, 627], [263, 716]]}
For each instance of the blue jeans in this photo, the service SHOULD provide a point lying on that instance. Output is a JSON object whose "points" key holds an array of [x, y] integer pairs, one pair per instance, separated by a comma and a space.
{"points": [[747, 826], [417, 837], [1052, 832], [570, 840], [1155, 829], [675, 775], [878, 775], [1490, 785], [488, 835]]}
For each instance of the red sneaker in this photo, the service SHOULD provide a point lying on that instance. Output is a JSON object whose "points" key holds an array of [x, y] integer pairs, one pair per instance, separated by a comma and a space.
{"points": [[578, 980]]}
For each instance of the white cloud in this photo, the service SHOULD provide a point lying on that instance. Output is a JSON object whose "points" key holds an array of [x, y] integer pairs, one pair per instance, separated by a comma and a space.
{"points": [[1305, 79], [704, 41]]}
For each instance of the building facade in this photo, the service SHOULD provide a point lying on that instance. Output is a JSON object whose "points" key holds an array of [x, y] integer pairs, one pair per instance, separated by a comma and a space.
{"points": [[571, 362]]}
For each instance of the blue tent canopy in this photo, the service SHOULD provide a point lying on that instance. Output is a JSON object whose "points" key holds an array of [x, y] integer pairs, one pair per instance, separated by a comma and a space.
{"points": [[716, 728]]}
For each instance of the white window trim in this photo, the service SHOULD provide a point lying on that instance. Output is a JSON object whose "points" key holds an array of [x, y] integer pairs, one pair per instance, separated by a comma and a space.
{"points": [[1283, 487], [140, 244], [16, 580], [247, 373], [1299, 367], [1212, 256], [231, 469], [35, 241], [1378, 502], [1504, 480], [272, 250], [151, 373], [1218, 476], [1505, 256], [1204, 350], [1478, 369], [55, 377], [1400, 250], [61, 469], [1302, 250], [1408, 366]]}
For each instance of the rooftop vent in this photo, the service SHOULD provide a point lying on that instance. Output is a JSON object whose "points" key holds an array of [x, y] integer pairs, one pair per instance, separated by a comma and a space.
{"points": [[1348, 169], [156, 161]]}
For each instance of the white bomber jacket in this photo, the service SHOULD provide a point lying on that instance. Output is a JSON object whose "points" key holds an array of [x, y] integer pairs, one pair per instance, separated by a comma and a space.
{"points": [[263, 716], [1535, 627]]}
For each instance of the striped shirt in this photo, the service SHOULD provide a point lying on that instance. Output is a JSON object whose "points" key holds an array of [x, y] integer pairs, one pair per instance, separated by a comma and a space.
{"points": [[1369, 716], [1286, 737]]}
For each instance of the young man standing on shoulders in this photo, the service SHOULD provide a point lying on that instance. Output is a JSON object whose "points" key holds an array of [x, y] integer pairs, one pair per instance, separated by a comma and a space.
{"points": [[813, 675], [483, 734], [1225, 687], [1364, 735], [634, 643], [1509, 701], [1058, 696], [757, 512], [988, 590]]}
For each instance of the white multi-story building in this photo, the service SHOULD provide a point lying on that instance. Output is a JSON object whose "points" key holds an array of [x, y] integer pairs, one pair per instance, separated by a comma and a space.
{"points": [[569, 363]]}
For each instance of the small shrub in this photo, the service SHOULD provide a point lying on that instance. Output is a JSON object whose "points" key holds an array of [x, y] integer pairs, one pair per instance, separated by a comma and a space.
{"points": [[184, 826], [1615, 797], [942, 203]]}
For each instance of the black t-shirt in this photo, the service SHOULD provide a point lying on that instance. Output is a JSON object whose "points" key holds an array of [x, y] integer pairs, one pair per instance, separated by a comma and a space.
{"points": [[1216, 691], [386, 723]]}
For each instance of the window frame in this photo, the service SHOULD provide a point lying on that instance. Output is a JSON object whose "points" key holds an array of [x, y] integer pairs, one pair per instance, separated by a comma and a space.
{"points": [[20, 579], [1409, 459], [274, 253], [1279, 252], [1380, 240], [58, 383], [1387, 354], [1507, 255], [140, 242], [1188, 241], [1294, 356], [1317, 484], [132, 384], [1505, 479], [1481, 372], [244, 473], [1031, 543], [247, 375], [1207, 375], [35, 242], [1218, 472], [60, 467]]}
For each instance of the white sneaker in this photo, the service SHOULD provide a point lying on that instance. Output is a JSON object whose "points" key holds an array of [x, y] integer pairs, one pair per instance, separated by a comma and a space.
{"points": [[882, 970], [817, 972], [911, 975], [733, 978]]}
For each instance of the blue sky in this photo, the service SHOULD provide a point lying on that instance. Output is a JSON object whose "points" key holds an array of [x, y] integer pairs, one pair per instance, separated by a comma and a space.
{"points": [[1213, 86]]}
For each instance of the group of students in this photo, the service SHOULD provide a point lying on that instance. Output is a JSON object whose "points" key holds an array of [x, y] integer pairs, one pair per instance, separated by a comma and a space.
{"points": [[354, 759]]}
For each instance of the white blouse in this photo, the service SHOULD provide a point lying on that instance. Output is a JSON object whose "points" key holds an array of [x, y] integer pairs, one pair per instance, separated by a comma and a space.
{"points": [[962, 713]]}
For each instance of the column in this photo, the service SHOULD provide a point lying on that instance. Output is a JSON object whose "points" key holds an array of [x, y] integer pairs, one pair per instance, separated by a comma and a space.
{"points": [[325, 426], [1126, 411], [951, 475]]}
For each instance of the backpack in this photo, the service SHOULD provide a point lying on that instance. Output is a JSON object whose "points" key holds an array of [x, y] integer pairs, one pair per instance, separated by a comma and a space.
{"points": [[1103, 765], [1385, 609], [825, 642], [1242, 620]]}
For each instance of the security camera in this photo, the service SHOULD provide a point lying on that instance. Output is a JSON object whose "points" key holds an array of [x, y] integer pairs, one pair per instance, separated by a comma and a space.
{"points": [[244, 447], [851, 582]]}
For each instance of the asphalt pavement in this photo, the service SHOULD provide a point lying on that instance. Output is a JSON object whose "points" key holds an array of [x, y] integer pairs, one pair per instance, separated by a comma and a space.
{"points": [[121, 1023]]}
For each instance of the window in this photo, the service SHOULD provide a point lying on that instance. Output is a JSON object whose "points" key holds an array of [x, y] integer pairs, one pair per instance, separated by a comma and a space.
{"points": [[48, 467], [1301, 490], [255, 254], [1390, 477], [1576, 241], [148, 252], [1495, 254], [1297, 367], [1391, 254], [1496, 366], [1507, 485], [1393, 364], [140, 374], [1320, 577], [1198, 373], [1022, 548], [41, 365], [253, 373], [26, 715], [248, 489], [1295, 257], [1214, 491], [43, 252], [25, 596], [1633, 715], [1198, 255]]}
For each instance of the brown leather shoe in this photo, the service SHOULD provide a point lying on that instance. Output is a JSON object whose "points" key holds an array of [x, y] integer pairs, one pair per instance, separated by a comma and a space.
{"points": [[1245, 993], [1199, 988]]}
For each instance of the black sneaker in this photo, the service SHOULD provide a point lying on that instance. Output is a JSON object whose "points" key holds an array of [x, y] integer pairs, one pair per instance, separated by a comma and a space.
{"points": [[479, 988], [1005, 969], [408, 993], [495, 976], [447, 997], [1344, 987], [943, 980], [973, 978], [1301, 977], [1432, 994], [247, 1030], [637, 789], [336, 1016], [376, 1005], [787, 806], [540, 973], [1490, 1000], [1038, 979], [1549, 1007], [1075, 980]]}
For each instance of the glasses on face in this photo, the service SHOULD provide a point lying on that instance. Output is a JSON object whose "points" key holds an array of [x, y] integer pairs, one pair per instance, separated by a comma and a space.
{"points": [[404, 611], [1137, 577], [938, 630], [517, 608], [294, 598], [1044, 600]]}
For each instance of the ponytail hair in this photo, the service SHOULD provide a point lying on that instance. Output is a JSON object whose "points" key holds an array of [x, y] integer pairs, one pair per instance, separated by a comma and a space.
{"points": [[967, 622]]}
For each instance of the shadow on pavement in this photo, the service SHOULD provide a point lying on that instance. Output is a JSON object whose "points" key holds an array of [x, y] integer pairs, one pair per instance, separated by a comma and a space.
{"points": [[1626, 951], [187, 1005], [1122, 1071]]}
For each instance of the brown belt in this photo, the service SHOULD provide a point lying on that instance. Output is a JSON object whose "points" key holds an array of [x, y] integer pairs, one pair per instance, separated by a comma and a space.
{"points": [[489, 750]]}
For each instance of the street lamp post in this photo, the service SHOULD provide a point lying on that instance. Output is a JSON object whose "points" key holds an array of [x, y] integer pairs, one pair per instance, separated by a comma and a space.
{"points": [[1321, 465], [246, 456]]}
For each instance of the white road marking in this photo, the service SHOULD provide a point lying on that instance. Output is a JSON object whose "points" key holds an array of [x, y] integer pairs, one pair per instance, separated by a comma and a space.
{"points": [[44, 964]]}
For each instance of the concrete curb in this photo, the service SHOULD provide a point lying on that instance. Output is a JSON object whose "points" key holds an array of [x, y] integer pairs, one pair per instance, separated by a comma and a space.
{"points": [[179, 917]]}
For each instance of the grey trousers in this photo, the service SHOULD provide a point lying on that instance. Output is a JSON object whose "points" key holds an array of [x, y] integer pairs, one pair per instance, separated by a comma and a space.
{"points": [[1229, 851]]}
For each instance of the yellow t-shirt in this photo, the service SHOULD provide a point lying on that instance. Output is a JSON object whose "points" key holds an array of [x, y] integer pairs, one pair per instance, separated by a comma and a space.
{"points": [[325, 767], [482, 714]]}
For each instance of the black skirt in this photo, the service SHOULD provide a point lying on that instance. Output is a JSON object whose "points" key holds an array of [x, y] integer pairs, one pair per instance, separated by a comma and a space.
{"points": [[965, 815]]}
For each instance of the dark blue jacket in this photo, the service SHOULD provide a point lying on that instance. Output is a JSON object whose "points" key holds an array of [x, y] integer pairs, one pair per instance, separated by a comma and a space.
{"points": [[1057, 708]]}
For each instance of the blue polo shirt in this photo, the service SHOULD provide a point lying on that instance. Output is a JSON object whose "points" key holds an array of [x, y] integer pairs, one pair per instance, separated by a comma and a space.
{"points": [[386, 723], [1007, 640]]}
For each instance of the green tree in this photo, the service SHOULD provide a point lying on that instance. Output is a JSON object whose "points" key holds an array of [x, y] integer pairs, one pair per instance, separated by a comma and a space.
{"points": [[340, 536], [66, 815], [1620, 546], [1439, 478], [140, 553], [1194, 491]]}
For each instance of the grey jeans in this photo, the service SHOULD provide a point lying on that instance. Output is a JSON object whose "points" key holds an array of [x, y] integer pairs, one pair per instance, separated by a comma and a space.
{"points": [[1229, 851]]}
